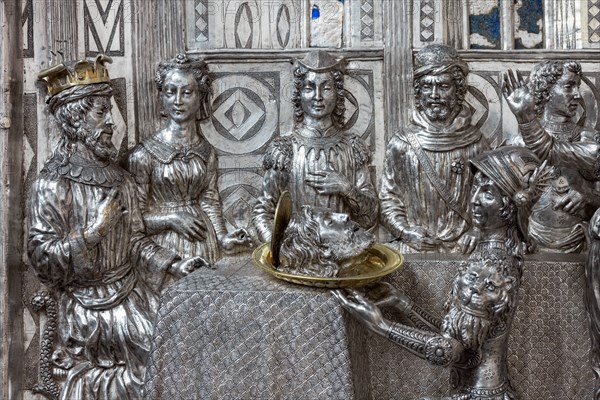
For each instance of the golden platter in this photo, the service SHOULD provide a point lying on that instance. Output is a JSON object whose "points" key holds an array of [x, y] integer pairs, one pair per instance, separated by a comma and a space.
{"points": [[378, 262]]}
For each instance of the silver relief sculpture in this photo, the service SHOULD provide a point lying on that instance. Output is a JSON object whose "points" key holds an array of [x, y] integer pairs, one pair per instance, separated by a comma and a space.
{"points": [[472, 337], [318, 163], [559, 220], [87, 243], [319, 242], [426, 180], [176, 169], [580, 155]]}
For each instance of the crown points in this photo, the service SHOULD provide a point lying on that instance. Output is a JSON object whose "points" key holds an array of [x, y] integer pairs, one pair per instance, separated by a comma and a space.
{"points": [[61, 77]]}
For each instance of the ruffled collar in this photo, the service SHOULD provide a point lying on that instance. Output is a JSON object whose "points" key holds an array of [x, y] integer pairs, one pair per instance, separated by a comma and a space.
{"points": [[460, 133], [332, 139], [167, 152], [92, 172]]}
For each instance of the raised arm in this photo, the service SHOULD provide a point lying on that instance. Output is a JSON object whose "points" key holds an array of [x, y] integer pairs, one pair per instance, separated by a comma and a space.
{"points": [[581, 155]]}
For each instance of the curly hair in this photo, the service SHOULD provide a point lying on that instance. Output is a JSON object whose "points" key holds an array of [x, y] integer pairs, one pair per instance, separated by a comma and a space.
{"points": [[458, 77], [70, 116], [544, 76], [199, 71], [302, 246], [340, 107]]}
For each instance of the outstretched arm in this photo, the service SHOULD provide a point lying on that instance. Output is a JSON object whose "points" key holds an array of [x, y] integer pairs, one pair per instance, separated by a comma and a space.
{"points": [[433, 347], [578, 155], [386, 295]]}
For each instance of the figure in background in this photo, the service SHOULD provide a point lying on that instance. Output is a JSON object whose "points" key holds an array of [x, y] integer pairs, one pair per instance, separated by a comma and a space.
{"points": [[473, 336], [86, 241], [583, 156], [426, 181], [319, 163], [559, 220], [176, 169]]}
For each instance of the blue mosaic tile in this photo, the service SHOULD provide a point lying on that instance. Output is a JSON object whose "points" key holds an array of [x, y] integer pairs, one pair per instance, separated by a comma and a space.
{"points": [[529, 22], [484, 24]]}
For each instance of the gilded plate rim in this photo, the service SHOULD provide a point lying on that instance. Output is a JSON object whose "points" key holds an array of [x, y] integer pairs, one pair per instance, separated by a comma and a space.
{"points": [[396, 261]]}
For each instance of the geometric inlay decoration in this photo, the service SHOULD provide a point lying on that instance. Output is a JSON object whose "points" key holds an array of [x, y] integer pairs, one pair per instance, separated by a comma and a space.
{"points": [[245, 111], [593, 21], [201, 26], [104, 27], [427, 19], [366, 20]]}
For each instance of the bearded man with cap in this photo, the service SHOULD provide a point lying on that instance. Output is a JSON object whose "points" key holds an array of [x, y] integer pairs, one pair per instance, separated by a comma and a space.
{"points": [[87, 242], [472, 337], [426, 182], [319, 163]]}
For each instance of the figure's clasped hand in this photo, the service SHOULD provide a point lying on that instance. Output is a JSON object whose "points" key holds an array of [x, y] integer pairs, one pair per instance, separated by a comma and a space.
{"points": [[186, 266], [517, 95], [468, 241], [328, 182], [110, 212], [572, 202], [236, 241], [190, 227]]}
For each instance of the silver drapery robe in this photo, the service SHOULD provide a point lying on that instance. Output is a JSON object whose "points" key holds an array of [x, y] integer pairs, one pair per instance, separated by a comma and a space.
{"points": [[408, 198], [558, 230], [181, 179], [106, 309], [288, 162]]}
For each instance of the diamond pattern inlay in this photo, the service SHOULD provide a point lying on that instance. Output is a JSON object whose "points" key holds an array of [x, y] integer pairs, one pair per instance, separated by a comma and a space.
{"points": [[201, 13], [229, 114], [366, 20], [594, 21], [426, 20]]}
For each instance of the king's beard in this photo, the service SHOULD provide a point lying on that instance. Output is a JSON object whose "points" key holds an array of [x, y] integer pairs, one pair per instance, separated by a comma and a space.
{"points": [[471, 330], [103, 149]]}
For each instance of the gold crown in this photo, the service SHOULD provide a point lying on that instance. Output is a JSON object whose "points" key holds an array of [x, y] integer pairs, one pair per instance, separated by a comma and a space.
{"points": [[60, 77]]}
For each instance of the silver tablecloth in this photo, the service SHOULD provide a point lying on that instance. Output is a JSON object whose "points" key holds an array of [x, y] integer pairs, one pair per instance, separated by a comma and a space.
{"points": [[236, 333]]}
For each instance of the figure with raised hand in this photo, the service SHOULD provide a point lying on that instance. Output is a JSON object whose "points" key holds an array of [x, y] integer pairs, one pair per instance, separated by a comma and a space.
{"points": [[559, 220]]}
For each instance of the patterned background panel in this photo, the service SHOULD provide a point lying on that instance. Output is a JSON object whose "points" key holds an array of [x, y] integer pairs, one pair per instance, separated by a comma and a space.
{"points": [[549, 345]]}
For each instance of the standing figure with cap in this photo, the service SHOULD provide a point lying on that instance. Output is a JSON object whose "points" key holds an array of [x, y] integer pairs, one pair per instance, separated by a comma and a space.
{"points": [[426, 182], [87, 242], [320, 164], [472, 338]]}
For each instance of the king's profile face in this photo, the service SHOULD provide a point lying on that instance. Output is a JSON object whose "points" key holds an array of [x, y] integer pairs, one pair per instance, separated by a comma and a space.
{"points": [[180, 96], [564, 96], [98, 128], [318, 94]]}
